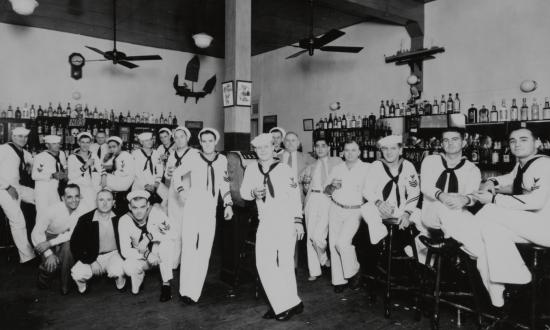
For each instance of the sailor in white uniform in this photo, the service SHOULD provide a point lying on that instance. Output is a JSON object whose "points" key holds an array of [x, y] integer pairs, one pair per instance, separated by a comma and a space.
{"points": [[148, 167], [15, 163], [273, 186], [181, 154], [163, 150], [278, 134], [118, 176], [84, 170], [49, 169], [209, 181], [316, 206], [145, 242], [517, 210], [392, 191], [347, 183]]}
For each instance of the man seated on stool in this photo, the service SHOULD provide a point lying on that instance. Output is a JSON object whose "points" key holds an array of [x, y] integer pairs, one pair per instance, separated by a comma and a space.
{"points": [[145, 243], [94, 244], [517, 210], [392, 191], [51, 235]]}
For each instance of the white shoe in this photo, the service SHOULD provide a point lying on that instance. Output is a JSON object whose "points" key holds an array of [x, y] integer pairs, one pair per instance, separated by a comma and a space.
{"points": [[81, 286], [120, 282]]}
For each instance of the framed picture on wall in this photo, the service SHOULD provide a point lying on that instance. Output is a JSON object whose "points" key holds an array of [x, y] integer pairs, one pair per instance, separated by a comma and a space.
{"points": [[228, 94], [269, 122], [244, 93], [308, 125]]}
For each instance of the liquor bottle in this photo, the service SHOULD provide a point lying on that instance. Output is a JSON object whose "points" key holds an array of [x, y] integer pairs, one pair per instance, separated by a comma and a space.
{"points": [[40, 112], [17, 113], [137, 118], [524, 110], [392, 109], [105, 114], [53, 130], [506, 156], [427, 108], [86, 111], [68, 110], [372, 120], [408, 111], [402, 109], [514, 111], [330, 123], [435, 108], [10, 111], [474, 152], [382, 109], [483, 115], [112, 115], [535, 110], [120, 117], [494, 113], [175, 121], [94, 130], [49, 112], [59, 130], [161, 119], [546, 109], [456, 104], [495, 155], [503, 111], [472, 115], [32, 112], [39, 128], [353, 122], [25, 111], [371, 152], [58, 111], [100, 115], [95, 114], [442, 105], [450, 104], [128, 118], [343, 122]]}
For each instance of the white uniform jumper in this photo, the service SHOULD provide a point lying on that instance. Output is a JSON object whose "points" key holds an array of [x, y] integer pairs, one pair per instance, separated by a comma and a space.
{"points": [[345, 218], [148, 169], [521, 217], [87, 179], [208, 180], [276, 235], [175, 206], [45, 189], [121, 176], [398, 187], [159, 252], [13, 162]]}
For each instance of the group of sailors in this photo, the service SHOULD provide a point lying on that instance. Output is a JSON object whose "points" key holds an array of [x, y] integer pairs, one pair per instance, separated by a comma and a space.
{"points": [[120, 214]]}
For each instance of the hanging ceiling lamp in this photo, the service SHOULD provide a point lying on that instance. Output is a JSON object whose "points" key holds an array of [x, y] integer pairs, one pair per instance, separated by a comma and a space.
{"points": [[24, 7], [202, 40]]}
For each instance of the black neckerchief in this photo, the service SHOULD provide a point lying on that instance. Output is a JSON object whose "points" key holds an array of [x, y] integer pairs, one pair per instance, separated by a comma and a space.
{"points": [[143, 227], [80, 159], [518, 180], [393, 181], [453, 180], [99, 151], [148, 161], [210, 169], [21, 155], [267, 178], [178, 159], [58, 165], [113, 170]]}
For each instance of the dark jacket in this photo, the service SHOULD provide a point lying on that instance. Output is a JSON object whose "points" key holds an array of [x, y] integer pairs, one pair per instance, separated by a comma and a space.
{"points": [[85, 238]]}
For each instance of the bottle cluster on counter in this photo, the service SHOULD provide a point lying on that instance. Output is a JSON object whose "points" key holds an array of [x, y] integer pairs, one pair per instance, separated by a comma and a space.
{"points": [[389, 109], [351, 121], [513, 113], [86, 113]]}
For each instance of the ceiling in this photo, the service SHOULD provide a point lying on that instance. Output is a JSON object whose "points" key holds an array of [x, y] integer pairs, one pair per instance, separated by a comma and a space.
{"points": [[170, 24]]}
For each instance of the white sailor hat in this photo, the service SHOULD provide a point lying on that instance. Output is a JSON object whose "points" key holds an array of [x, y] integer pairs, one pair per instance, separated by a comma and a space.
{"points": [[165, 129], [185, 130], [52, 139], [20, 131], [262, 139], [115, 139], [84, 134], [145, 136], [278, 129], [210, 130], [137, 194], [390, 140]]}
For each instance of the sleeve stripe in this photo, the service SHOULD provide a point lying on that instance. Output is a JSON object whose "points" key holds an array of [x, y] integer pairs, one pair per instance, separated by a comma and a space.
{"points": [[519, 200], [413, 199]]}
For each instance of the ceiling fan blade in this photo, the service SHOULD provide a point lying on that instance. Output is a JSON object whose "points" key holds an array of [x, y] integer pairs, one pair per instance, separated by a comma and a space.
{"points": [[143, 58], [127, 64], [342, 49], [327, 37], [296, 54], [95, 50]]}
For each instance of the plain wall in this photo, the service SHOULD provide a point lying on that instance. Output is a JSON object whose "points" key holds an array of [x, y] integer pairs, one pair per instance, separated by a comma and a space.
{"points": [[35, 70], [304, 87], [490, 47]]}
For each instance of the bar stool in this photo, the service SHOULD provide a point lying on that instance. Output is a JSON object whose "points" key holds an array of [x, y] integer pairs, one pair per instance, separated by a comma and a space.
{"points": [[440, 248], [248, 251], [388, 254], [6, 240]]}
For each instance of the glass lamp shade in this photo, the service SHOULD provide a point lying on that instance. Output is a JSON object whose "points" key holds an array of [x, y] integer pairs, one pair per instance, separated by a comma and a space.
{"points": [[24, 7], [202, 40]]}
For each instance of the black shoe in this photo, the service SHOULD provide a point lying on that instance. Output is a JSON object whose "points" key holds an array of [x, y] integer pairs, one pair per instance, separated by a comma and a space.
{"points": [[339, 288], [355, 283], [165, 293], [270, 314], [187, 301], [286, 315]]}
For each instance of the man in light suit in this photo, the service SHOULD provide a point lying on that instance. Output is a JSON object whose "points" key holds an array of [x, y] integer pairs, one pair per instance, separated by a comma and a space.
{"points": [[296, 160]]}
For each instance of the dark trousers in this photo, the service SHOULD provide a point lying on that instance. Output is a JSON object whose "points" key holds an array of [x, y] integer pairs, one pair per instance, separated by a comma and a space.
{"points": [[66, 262]]}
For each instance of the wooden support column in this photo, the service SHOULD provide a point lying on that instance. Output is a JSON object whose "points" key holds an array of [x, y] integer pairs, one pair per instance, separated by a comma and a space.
{"points": [[238, 19]]}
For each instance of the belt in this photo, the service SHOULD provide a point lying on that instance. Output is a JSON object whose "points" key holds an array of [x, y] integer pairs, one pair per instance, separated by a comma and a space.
{"points": [[315, 191], [345, 206]]}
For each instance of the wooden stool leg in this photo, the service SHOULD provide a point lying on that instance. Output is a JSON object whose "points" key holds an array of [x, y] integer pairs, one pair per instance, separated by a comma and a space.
{"points": [[475, 293], [533, 315], [387, 298], [435, 316]]}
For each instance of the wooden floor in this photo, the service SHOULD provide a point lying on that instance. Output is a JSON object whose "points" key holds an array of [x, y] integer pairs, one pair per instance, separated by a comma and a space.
{"points": [[23, 306]]}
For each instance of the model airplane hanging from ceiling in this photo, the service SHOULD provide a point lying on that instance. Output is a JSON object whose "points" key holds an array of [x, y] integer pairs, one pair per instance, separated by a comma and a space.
{"points": [[192, 75]]}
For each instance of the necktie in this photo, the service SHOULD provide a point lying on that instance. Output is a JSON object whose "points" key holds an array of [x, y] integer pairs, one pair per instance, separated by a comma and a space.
{"points": [[450, 172], [324, 172], [210, 176], [178, 159], [58, 165], [99, 152], [267, 179], [290, 159], [517, 188], [393, 181], [148, 161]]}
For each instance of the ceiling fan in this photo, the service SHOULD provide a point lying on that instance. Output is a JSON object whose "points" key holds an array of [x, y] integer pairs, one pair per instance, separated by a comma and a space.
{"points": [[311, 43], [118, 57]]}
